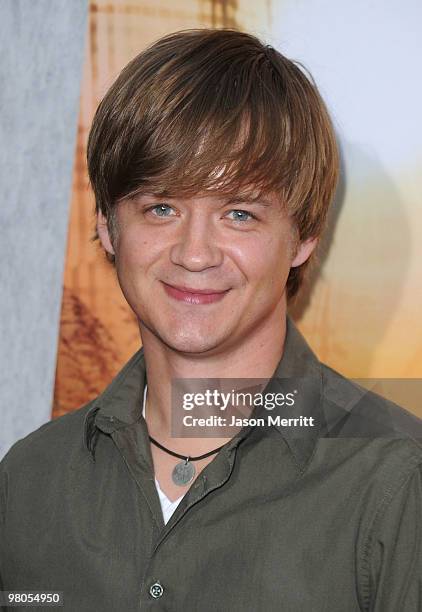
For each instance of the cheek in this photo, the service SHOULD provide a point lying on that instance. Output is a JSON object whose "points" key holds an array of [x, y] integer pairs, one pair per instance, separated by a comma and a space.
{"points": [[263, 262], [136, 250]]}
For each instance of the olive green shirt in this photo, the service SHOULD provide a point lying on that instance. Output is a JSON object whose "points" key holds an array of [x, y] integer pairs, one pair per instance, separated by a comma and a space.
{"points": [[325, 519]]}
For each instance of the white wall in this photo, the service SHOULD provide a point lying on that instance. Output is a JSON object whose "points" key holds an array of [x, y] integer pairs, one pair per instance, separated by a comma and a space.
{"points": [[41, 52]]}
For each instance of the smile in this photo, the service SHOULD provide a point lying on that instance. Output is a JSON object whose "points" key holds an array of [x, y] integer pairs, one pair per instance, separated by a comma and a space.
{"points": [[194, 296]]}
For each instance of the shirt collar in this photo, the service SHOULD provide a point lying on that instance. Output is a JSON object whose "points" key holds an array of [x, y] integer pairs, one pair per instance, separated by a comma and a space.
{"points": [[120, 404], [299, 369]]}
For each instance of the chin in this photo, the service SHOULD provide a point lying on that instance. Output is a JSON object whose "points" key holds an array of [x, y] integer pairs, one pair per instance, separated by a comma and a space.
{"points": [[191, 346], [190, 343], [187, 336]]}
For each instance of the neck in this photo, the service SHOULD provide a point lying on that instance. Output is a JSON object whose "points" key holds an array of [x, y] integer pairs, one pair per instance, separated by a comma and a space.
{"points": [[255, 356]]}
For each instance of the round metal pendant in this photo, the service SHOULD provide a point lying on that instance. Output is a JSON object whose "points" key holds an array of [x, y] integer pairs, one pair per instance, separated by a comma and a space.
{"points": [[183, 473]]}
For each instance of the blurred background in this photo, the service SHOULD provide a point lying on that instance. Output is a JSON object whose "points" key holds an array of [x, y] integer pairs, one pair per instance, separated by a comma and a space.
{"points": [[66, 329]]}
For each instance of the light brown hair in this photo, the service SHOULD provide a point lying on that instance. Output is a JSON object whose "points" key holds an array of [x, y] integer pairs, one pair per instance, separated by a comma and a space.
{"points": [[215, 109]]}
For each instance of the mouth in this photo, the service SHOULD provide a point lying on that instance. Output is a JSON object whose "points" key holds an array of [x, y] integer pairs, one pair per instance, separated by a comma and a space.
{"points": [[191, 295]]}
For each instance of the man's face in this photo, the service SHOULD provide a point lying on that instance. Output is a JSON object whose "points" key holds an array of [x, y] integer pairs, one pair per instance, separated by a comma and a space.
{"points": [[204, 273]]}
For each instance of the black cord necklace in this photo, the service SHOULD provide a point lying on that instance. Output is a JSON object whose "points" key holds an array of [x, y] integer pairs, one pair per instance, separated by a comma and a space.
{"points": [[184, 471]]}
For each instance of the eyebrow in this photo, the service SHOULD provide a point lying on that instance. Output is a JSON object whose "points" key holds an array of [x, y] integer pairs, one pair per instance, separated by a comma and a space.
{"points": [[258, 200], [249, 200]]}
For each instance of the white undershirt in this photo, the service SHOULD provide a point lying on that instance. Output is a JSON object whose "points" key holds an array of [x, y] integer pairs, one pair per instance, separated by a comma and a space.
{"points": [[167, 506]]}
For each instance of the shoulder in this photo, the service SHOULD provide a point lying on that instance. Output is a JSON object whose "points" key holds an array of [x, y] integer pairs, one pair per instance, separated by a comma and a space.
{"points": [[63, 436], [42, 462], [352, 410], [377, 443], [63, 439], [376, 447]]}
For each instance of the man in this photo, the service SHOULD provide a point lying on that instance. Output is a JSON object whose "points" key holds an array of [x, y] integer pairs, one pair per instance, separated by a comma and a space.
{"points": [[213, 163]]}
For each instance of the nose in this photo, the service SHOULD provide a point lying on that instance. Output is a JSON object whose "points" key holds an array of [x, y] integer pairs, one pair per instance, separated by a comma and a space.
{"points": [[195, 247]]}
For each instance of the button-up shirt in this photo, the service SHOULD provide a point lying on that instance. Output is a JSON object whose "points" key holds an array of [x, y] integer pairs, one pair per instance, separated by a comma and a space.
{"points": [[328, 519]]}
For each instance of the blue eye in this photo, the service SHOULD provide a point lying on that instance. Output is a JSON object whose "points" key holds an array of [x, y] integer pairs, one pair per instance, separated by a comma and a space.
{"points": [[242, 215], [161, 210]]}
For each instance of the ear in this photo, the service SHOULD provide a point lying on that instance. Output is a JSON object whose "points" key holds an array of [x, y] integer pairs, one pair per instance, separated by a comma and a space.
{"points": [[304, 251], [103, 233]]}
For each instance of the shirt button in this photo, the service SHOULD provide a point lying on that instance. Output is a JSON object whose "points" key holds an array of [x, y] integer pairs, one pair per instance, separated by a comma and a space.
{"points": [[156, 590]]}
